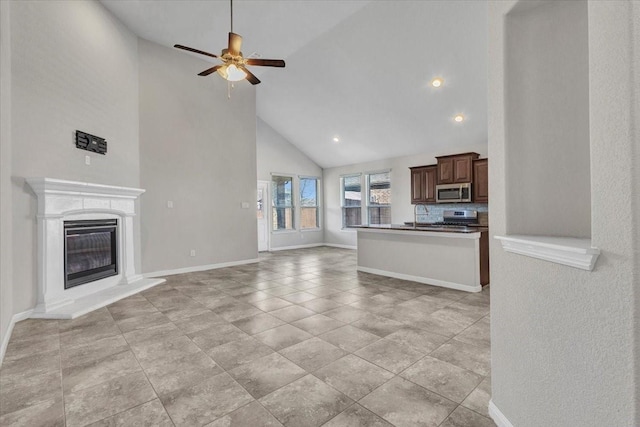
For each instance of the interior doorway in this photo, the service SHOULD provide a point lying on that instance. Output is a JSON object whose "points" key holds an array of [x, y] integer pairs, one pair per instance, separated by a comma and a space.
{"points": [[263, 216]]}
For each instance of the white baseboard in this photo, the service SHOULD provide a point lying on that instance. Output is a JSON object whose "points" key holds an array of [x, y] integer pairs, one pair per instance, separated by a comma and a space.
{"points": [[287, 248], [419, 279], [497, 416], [163, 273], [336, 245], [15, 319]]}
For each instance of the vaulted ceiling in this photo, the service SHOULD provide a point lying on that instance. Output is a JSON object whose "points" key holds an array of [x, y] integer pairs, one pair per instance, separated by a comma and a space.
{"points": [[356, 70]]}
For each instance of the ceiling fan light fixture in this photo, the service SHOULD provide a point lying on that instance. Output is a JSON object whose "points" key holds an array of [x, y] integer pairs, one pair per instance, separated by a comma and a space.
{"points": [[232, 73]]}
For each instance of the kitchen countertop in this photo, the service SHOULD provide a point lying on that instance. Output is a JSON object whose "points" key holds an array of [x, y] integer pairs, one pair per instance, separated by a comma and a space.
{"points": [[425, 227]]}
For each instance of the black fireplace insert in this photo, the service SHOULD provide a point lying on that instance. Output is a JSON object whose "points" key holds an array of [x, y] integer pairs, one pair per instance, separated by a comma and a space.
{"points": [[90, 251]]}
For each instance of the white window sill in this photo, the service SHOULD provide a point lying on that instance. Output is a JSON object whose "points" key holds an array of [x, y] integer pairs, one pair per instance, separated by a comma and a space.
{"points": [[306, 230], [577, 253], [283, 231], [348, 229]]}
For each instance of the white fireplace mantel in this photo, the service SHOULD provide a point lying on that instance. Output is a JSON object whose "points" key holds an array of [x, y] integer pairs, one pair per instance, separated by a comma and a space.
{"points": [[60, 201]]}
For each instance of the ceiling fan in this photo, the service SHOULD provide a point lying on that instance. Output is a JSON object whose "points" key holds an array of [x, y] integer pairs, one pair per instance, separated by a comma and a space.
{"points": [[235, 65]]}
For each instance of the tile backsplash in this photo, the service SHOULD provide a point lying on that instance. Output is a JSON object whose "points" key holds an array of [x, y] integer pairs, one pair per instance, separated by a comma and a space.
{"points": [[434, 212]]}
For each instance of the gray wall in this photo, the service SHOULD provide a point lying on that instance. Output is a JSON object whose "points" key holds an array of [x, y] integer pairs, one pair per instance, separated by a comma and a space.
{"points": [[276, 154], [6, 290], [73, 67], [199, 151], [401, 207], [564, 341], [547, 90]]}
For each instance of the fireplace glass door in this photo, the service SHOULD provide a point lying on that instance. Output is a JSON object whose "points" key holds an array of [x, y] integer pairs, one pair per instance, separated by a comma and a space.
{"points": [[90, 251]]}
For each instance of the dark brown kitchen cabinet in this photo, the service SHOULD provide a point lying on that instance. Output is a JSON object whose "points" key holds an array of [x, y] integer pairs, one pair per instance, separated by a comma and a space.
{"points": [[423, 184], [456, 168], [480, 191]]}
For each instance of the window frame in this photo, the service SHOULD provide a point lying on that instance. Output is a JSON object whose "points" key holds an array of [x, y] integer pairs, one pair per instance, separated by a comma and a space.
{"points": [[293, 228], [368, 203], [342, 201], [317, 206]]}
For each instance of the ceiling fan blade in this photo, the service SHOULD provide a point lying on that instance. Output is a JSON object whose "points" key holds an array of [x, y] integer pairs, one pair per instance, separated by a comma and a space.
{"points": [[250, 77], [210, 70], [190, 49], [235, 43], [265, 62]]}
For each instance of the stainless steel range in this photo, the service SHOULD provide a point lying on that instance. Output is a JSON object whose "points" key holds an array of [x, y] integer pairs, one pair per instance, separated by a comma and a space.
{"points": [[459, 218]]}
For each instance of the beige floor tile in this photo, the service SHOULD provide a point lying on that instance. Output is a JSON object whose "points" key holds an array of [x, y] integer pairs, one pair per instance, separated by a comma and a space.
{"points": [[320, 305], [377, 325], [212, 337], [349, 338], [446, 379], [419, 339], [312, 354], [463, 417], [306, 402], [282, 336], [266, 374], [467, 356], [236, 353], [390, 355], [478, 399], [49, 413], [249, 415], [77, 377], [258, 323], [353, 376], [292, 313], [150, 414], [205, 401], [21, 391], [106, 399], [318, 324], [403, 403], [357, 416]]}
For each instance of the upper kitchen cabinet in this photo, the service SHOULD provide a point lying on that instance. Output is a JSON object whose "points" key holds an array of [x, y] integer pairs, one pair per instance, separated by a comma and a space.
{"points": [[423, 184], [480, 191], [456, 169]]}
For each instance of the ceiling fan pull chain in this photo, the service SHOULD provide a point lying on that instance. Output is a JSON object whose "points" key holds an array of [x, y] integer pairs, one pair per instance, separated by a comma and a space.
{"points": [[229, 89]]}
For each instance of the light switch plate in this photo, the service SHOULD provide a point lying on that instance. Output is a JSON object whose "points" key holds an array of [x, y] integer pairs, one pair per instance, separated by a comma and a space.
{"points": [[245, 205]]}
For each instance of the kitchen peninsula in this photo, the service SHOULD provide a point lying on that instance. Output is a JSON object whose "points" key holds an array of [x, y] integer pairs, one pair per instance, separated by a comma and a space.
{"points": [[451, 257]]}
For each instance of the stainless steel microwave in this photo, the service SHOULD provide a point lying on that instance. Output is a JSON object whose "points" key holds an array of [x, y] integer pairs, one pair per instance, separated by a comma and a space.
{"points": [[453, 193]]}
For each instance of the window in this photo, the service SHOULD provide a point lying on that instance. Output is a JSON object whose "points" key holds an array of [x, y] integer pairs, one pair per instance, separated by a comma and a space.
{"points": [[379, 197], [351, 200], [282, 202], [309, 207]]}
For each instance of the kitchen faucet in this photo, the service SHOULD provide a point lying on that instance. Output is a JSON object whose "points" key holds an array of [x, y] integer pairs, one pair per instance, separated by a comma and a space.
{"points": [[415, 213]]}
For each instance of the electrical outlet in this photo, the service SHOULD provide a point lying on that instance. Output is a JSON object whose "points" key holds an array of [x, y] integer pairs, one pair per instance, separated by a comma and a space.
{"points": [[87, 160], [193, 252], [170, 204], [245, 205]]}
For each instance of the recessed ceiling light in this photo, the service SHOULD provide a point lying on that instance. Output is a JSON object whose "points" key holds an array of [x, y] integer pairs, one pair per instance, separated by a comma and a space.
{"points": [[458, 118], [336, 139], [437, 82]]}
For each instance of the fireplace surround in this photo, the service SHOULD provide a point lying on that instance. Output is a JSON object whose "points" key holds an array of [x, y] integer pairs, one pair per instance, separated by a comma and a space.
{"points": [[74, 203]]}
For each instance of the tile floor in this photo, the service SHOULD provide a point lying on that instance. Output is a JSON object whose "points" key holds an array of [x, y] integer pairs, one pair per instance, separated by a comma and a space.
{"points": [[299, 339]]}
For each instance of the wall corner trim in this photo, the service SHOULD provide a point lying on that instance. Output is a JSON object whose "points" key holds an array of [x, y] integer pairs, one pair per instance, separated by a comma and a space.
{"points": [[577, 253], [14, 319], [497, 416]]}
